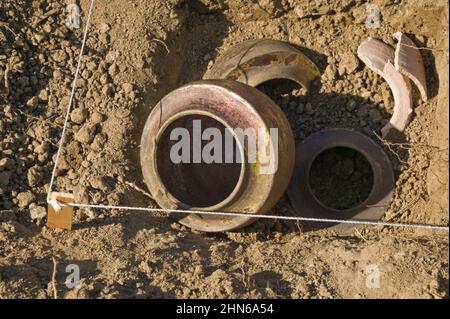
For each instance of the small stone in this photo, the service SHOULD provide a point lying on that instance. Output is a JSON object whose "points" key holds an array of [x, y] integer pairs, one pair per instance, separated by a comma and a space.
{"points": [[40, 37], [292, 105], [86, 134], [97, 117], [7, 163], [362, 111], [375, 115], [100, 183], [25, 199], [35, 175], [47, 28], [108, 90], [104, 27], [91, 66], [300, 108], [59, 56], [99, 141], [43, 95], [309, 109], [42, 148], [104, 38], [207, 57], [33, 102], [38, 213], [104, 79], [300, 12], [111, 56], [330, 72], [4, 178], [113, 70], [78, 115], [127, 87], [81, 83], [348, 64], [351, 105]]}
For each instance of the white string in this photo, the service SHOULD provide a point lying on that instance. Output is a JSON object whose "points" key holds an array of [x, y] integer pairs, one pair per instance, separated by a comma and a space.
{"points": [[72, 94], [233, 214], [229, 214]]}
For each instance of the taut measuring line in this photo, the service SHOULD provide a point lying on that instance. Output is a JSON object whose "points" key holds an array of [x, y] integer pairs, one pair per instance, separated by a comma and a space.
{"points": [[231, 214]]}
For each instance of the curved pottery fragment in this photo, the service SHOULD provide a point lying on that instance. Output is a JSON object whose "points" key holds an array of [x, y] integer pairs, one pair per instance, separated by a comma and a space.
{"points": [[379, 57], [256, 61], [401, 89], [408, 61]]}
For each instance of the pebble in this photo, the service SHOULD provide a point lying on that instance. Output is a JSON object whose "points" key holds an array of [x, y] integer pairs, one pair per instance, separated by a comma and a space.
{"points": [[78, 115], [98, 182], [309, 108], [104, 38], [348, 64], [43, 95], [99, 141], [300, 108], [33, 102], [97, 117], [104, 79], [38, 213], [25, 199], [351, 105], [35, 175], [127, 87], [42, 148], [7, 163], [108, 90], [362, 111], [59, 56], [91, 66], [375, 115], [104, 27], [81, 83], [86, 134], [113, 70], [4, 178], [40, 37]]}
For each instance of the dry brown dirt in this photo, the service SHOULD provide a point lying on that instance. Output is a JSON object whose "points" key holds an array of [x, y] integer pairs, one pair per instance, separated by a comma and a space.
{"points": [[138, 51]]}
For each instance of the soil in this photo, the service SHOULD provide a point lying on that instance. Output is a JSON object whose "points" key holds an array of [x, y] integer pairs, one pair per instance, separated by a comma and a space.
{"points": [[341, 178], [139, 51]]}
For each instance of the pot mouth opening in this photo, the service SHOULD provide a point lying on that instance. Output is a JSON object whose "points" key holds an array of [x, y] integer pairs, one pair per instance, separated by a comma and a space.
{"points": [[199, 161], [341, 179]]}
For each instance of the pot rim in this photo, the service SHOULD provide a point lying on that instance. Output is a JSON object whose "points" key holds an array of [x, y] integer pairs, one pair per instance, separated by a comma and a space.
{"points": [[243, 172]]}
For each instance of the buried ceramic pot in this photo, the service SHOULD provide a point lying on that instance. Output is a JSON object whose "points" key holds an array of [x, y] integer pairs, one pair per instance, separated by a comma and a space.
{"points": [[308, 205], [217, 145], [256, 61]]}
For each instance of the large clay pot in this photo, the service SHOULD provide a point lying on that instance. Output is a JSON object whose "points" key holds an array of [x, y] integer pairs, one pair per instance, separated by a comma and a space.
{"points": [[247, 186]]}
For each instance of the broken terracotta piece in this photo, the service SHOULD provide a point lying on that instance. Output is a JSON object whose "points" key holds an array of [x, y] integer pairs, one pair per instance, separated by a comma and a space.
{"points": [[379, 57], [256, 61], [408, 61], [401, 89]]}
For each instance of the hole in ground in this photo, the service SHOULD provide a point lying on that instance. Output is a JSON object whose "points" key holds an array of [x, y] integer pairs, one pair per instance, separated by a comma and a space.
{"points": [[341, 178], [200, 184]]}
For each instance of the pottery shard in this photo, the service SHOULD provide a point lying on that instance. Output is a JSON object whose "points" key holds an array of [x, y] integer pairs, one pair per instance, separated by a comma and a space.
{"points": [[408, 61], [379, 57]]}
